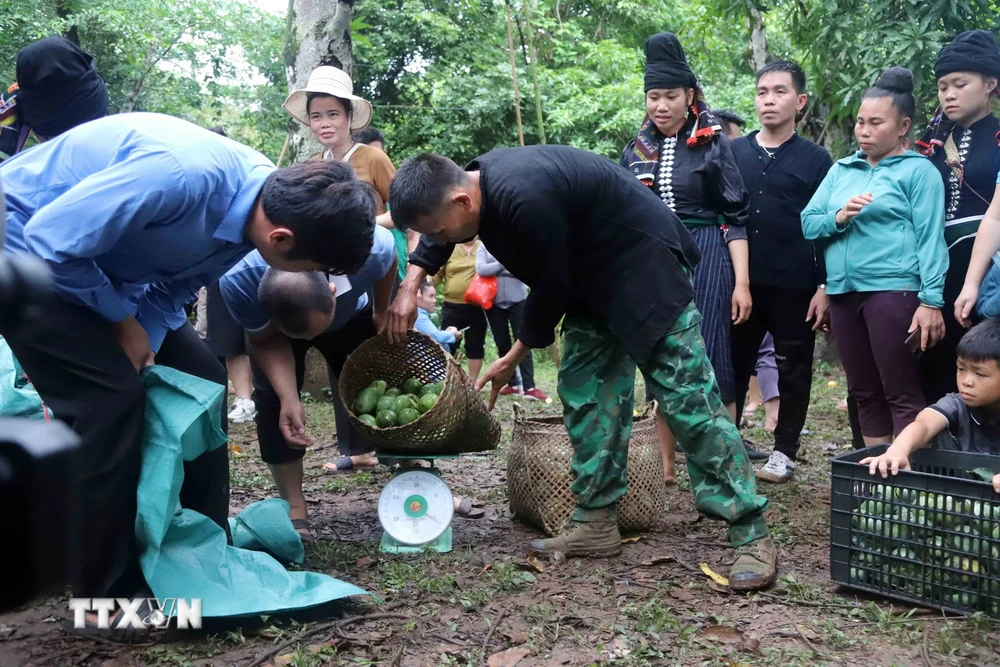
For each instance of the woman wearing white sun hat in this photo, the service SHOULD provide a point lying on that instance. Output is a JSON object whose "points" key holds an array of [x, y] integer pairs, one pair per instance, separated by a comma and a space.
{"points": [[330, 108]]}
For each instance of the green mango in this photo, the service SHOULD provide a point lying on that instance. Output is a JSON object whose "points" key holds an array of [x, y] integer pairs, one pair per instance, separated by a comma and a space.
{"points": [[379, 386], [427, 402], [368, 419], [412, 386], [366, 401], [430, 388], [401, 403], [385, 419], [408, 415], [392, 391], [386, 403]]}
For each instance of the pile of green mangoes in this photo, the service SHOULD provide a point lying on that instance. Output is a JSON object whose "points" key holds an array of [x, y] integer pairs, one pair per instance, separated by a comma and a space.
{"points": [[928, 545], [382, 406]]}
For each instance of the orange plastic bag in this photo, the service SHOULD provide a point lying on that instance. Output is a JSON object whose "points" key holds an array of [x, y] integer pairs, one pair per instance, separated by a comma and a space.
{"points": [[482, 291]]}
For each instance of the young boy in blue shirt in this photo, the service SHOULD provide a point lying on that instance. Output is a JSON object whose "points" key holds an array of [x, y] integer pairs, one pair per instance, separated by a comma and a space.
{"points": [[968, 421]]}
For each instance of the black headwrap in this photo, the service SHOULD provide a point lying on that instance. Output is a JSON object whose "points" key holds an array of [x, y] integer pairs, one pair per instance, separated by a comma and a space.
{"points": [[972, 51], [667, 67], [666, 64], [58, 87]]}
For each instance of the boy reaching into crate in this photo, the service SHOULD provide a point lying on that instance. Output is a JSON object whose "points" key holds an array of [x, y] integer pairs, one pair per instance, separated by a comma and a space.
{"points": [[968, 421], [602, 253]]}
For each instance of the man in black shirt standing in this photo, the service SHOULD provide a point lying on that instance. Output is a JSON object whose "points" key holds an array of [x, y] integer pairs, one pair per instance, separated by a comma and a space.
{"points": [[598, 247], [781, 171]]}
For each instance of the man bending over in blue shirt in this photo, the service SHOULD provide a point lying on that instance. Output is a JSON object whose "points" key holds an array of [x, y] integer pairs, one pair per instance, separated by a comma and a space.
{"points": [[285, 314], [133, 213]]}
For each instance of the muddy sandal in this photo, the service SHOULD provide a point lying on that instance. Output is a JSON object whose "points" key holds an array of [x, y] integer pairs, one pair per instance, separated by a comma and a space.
{"points": [[303, 525], [470, 509]]}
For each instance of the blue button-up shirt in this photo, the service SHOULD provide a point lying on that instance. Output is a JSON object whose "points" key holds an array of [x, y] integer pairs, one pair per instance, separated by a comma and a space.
{"points": [[241, 283], [133, 213]]}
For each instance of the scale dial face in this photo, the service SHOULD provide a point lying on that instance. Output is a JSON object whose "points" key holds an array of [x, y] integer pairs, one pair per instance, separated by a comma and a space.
{"points": [[415, 507]]}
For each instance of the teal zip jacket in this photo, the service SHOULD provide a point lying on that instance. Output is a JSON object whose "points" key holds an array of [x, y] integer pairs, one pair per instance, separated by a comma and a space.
{"points": [[897, 241]]}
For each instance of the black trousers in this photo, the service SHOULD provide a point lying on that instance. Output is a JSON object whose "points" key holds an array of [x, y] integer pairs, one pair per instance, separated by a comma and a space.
{"points": [[460, 316], [335, 347], [502, 322], [84, 377], [783, 313]]}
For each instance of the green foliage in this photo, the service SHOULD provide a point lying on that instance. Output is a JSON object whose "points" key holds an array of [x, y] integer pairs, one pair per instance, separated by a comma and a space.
{"points": [[213, 62], [438, 71]]}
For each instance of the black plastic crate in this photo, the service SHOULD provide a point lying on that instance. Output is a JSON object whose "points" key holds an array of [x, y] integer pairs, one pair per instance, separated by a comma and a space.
{"points": [[929, 536]]}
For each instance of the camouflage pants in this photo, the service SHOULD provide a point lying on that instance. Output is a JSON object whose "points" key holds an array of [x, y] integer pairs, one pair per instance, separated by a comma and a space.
{"points": [[597, 386]]}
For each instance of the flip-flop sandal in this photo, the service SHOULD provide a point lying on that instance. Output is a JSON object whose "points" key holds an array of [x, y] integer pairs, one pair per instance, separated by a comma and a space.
{"points": [[344, 465], [130, 635], [303, 524], [470, 509]]}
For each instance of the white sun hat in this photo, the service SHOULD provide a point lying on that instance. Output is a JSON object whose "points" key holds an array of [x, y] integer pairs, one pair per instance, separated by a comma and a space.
{"points": [[330, 81]]}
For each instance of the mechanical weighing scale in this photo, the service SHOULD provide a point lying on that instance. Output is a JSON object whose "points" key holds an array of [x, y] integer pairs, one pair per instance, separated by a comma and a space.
{"points": [[416, 507]]}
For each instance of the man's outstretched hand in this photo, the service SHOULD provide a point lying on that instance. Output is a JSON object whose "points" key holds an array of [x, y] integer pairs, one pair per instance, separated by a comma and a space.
{"points": [[501, 370]]}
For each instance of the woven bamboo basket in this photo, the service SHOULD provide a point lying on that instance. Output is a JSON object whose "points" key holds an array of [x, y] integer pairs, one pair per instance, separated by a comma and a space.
{"points": [[539, 476], [458, 423]]}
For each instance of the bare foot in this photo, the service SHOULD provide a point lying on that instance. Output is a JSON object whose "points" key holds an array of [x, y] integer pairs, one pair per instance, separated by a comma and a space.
{"points": [[368, 460], [669, 475]]}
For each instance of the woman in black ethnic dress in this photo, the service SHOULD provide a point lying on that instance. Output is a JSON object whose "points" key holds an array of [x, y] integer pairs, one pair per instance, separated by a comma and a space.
{"points": [[962, 142], [681, 153]]}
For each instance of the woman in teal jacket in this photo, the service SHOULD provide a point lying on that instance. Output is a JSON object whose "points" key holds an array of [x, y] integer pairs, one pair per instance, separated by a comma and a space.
{"points": [[881, 213]]}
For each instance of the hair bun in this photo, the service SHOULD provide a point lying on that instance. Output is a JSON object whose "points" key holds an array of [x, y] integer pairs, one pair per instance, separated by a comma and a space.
{"points": [[896, 79]]}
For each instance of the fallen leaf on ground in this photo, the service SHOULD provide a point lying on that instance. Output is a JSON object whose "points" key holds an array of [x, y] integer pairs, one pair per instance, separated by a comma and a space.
{"points": [[681, 594], [634, 538], [718, 588], [536, 564], [516, 636], [508, 658], [726, 634], [364, 562], [717, 578], [806, 632]]}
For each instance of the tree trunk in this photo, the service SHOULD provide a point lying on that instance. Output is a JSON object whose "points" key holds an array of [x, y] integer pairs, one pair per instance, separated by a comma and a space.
{"points": [[533, 68], [318, 33], [759, 53], [64, 12]]}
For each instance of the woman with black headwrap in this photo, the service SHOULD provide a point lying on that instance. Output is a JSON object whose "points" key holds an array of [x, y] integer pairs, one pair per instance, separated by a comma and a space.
{"points": [[681, 153], [962, 142], [58, 87]]}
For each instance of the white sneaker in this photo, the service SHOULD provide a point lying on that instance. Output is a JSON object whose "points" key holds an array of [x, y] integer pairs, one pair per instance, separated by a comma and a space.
{"points": [[778, 469], [243, 411]]}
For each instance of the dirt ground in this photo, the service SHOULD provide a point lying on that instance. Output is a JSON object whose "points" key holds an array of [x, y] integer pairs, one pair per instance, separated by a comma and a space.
{"points": [[486, 604]]}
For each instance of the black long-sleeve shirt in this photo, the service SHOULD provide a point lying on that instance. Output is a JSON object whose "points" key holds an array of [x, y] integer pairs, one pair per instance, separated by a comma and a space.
{"points": [[587, 237], [696, 182], [780, 188], [969, 194]]}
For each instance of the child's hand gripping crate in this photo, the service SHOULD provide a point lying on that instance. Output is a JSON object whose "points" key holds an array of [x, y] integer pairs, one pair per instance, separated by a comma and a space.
{"points": [[929, 536]]}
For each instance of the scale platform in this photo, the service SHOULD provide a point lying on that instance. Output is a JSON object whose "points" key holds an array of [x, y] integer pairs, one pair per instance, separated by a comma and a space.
{"points": [[416, 507]]}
